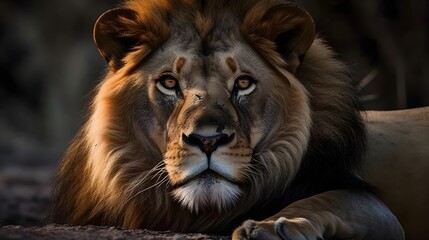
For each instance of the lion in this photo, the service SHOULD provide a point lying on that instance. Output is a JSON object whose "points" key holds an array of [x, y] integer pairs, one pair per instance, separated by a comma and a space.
{"points": [[225, 117]]}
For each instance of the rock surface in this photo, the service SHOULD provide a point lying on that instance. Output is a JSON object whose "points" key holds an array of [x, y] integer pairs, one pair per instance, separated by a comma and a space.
{"points": [[64, 232]]}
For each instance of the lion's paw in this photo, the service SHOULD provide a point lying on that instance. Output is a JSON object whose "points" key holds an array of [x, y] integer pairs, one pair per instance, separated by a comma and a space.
{"points": [[282, 228]]}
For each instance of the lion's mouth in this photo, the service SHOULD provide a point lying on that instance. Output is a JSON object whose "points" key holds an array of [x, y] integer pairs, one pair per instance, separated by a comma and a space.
{"points": [[208, 177]]}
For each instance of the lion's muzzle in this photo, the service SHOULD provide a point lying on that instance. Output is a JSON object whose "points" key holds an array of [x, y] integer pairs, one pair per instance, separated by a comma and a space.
{"points": [[208, 162]]}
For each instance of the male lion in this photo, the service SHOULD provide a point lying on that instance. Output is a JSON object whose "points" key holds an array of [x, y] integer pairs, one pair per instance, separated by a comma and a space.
{"points": [[215, 112]]}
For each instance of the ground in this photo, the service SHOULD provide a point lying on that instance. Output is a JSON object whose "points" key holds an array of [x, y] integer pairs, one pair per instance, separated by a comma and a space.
{"points": [[62, 232]]}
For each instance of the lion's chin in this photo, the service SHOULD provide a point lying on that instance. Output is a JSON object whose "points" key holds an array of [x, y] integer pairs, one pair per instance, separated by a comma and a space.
{"points": [[207, 192]]}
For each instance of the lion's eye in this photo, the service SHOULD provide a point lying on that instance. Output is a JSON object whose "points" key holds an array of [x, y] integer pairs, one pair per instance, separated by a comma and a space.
{"points": [[244, 85], [167, 85]]}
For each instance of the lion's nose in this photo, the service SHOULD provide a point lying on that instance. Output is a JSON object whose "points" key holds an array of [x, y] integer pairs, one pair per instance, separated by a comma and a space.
{"points": [[207, 144]]}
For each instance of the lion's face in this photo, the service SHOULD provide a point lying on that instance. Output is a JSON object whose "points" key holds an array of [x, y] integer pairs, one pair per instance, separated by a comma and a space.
{"points": [[219, 103], [211, 113]]}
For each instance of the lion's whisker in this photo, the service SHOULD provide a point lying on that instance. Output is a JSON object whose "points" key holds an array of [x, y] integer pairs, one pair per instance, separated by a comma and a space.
{"points": [[156, 169], [159, 172], [166, 179]]}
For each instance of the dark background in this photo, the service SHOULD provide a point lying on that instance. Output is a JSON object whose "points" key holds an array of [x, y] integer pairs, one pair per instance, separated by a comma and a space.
{"points": [[49, 63]]}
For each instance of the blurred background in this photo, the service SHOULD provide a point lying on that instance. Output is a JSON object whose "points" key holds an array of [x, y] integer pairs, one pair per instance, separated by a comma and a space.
{"points": [[49, 64]]}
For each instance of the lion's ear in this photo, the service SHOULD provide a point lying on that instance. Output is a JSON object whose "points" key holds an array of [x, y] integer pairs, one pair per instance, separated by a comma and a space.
{"points": [[282, 28], [113, 36]]}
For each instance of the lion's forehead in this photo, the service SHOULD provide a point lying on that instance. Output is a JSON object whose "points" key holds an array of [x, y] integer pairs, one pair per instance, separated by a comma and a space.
{"points": [[218, 66]]}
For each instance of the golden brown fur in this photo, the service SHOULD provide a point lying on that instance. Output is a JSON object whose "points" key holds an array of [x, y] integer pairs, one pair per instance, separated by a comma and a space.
{"points": [[397, 162], [294, 133]]}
